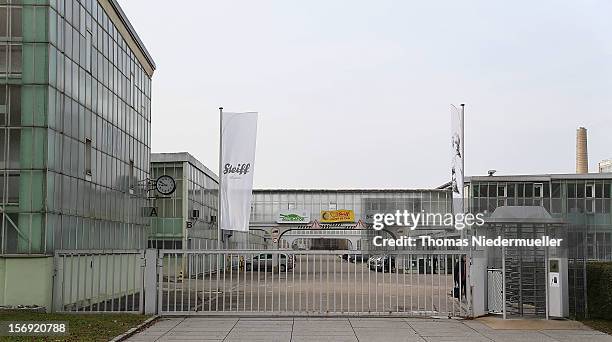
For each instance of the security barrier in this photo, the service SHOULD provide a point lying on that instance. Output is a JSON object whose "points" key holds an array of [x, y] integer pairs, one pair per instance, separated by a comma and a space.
{"points": [[319, 283]]}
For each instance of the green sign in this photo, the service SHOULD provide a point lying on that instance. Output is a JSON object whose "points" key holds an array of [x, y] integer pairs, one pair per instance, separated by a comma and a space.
{"points": [[293, 217]]}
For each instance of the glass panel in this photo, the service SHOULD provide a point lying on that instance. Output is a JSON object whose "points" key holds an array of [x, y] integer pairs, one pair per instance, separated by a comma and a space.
{"points": [[511, 188], [13, 188], [571, 190], [15, 22], [3, 22], [537, 190], [580, 190], [483, 190], [556, 190], [590, 190], [16, 58], [599, 190], [492, 190], [14, 106], [14, 148], [3, 58]]}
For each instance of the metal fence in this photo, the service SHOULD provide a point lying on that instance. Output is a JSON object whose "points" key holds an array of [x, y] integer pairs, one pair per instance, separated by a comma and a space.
{"points": [[98, 281], [283, 282], [495, 290]]}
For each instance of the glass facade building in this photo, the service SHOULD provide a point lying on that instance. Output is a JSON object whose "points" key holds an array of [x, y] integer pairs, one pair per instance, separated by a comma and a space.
{"points": [[187, 218], [75, 118], [267, 204], [583, 201]]}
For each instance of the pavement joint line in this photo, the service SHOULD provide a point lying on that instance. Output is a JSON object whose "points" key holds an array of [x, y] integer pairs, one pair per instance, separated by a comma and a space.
{"points": [[354, 332], [416, 332], [169, 330], [292, 326], [476, 331], [230, 331]]}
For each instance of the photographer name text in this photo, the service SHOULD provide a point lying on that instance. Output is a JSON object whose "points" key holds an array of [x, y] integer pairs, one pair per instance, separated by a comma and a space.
{"points": [[475, 241]]}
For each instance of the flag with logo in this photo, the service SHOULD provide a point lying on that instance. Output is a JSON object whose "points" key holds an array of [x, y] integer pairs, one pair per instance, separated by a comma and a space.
{"points": [[457, 158], [238, 140]]}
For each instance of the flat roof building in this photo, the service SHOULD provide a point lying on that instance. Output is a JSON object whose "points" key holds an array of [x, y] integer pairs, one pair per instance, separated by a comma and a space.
{"points": [[270, 206], [187, 218], [75, 118], [584, 201]]}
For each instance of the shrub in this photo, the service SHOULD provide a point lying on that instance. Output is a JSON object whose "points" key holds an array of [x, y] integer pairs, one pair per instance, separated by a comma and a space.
{"points": [[599, 289]]}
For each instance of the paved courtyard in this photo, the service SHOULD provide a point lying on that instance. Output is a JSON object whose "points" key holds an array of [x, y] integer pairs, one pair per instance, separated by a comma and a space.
{"points": [[358, 330]]}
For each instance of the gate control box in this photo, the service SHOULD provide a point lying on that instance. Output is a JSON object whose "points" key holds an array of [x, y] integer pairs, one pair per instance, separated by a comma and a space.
{"points": [[558, 288]]}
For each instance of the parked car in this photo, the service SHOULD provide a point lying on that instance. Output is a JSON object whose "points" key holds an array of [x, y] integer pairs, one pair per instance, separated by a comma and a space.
{"points": [[373, 261], [265, 262], [382, 263], [359, 257]]}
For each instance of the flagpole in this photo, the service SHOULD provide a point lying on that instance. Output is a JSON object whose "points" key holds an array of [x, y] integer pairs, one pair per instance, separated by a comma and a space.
{"points": [[219, 206], [463, 154], [468, 294]]}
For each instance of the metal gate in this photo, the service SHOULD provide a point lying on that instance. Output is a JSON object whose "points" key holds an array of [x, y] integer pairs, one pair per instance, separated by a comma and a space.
{"points": [[98, 281], [319, 283]]}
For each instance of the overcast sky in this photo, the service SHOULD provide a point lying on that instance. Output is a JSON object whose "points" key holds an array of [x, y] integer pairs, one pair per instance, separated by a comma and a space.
{"points": [[356, 94]]}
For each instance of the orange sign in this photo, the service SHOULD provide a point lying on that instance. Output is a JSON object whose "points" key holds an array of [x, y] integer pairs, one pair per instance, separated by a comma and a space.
{"points": [[337, 216]]}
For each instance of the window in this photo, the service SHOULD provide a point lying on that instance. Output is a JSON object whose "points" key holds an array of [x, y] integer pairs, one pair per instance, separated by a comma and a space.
{"points": [[88, 157], [15, 14], [132, 90], [10, 21], [510, 190], [333, 206], [15, 59], [3, 21], [590, 190], [291, 205], [571, 190], [501, 191], [131, 181], [580, 190], [492, 190], [537, 190], [590, 206], [4, 58], [599, 190], [475, 190], [3, 107], [88, 51], [556, 190]]}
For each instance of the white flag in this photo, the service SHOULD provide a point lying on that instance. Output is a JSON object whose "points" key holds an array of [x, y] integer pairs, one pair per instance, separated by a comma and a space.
{"points": [[457, 158], [238, 140]]}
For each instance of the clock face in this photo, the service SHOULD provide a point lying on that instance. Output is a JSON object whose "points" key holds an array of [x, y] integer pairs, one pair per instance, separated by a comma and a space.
{"points": [[165, 185]]}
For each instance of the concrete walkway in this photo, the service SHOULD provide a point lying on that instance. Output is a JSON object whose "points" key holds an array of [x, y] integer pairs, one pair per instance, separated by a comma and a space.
{"points": [[354, 330]]}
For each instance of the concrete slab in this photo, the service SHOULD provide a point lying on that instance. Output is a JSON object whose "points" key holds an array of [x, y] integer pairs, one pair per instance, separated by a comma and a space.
{"points": [[578, 338], [255, 329], [531, 324]]}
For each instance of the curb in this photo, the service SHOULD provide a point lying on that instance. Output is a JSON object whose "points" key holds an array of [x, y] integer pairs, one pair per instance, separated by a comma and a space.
{"points": [[135, 329]]}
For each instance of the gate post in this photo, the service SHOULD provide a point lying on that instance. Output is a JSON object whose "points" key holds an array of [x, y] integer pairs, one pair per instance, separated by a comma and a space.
{"points": [[478, 282], [150, 282]]}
